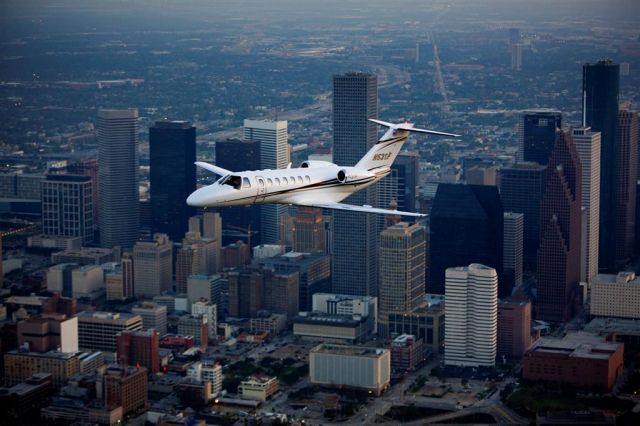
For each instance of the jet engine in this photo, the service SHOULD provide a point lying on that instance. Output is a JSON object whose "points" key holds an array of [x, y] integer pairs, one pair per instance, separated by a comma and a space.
{"points": [[353, 175]]}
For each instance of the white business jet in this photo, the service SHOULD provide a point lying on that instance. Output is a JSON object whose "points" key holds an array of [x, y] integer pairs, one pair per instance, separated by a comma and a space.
{"points": [[314, 184]]}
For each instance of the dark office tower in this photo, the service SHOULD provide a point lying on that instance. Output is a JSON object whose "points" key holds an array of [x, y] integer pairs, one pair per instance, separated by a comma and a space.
{"points": [[406, 166], [172, 153], [538, 134], [237, 155], [627, 176], [466, 227], [118, 177], [355, 240], [600, 87], [560, 222], [521, 189]]}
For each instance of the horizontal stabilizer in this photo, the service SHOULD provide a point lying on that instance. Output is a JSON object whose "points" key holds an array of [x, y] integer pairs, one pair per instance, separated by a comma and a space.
{"points": [[365, 209], [409, 128], [214, 169]]}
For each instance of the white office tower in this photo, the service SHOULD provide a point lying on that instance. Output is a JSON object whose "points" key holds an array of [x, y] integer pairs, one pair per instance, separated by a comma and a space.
{"points": [[471, 310], [207, 372], [588, 146], [274, 154], [118, 177], [152, 269], [210, 311], [513, 247]]}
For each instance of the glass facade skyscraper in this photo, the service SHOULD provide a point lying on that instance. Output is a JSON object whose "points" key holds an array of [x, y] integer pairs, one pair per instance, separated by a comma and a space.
{"points": [[172, 153], [466, 227], [538, 134], [600, 87], [118, 177], [355, 236]]}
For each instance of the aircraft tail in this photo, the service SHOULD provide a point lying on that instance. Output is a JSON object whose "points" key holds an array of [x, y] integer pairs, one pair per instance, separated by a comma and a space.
{"points": [[385, 151]]}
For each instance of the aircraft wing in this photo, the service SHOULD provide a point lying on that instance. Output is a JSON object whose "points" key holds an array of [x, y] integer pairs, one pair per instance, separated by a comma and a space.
{"points": [[214, 169], [365, 209]]}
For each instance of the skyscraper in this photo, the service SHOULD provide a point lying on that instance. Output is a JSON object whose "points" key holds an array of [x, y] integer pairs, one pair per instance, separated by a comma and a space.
{"points": [[67, 207], [237, 155], [152, 266], [513, 244], [355, 247], [466, 227], [538, 134], [118, 177], [274, 154], [600, 87], [471, 310], [172, 153], [406, 165], [587, 145], [521, 190], [560, 222], [402, 269], [626, 179]]}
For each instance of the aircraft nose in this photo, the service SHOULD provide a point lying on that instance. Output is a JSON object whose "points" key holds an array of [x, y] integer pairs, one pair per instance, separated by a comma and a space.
{"points": [[196, 199]]}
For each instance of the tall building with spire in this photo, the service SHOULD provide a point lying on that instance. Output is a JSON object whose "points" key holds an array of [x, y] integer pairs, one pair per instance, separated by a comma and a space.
{"points": [[118, 177], [560, 241], [600, 88], [355, 236]]}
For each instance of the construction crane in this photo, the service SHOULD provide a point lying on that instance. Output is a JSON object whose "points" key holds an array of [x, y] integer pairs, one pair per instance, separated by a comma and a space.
{"points": [[247, 232]]}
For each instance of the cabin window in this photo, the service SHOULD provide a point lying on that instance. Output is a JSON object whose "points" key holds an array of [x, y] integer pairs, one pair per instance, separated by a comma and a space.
{"points": [[269, 183], [300, 180], [246, 183], [261, 182], [277, 182], [234, 181], [293, 180], [307, 179], [285, 181]]}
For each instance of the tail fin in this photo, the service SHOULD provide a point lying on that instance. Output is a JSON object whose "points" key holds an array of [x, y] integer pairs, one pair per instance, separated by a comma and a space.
{"points": [[385, 151]]}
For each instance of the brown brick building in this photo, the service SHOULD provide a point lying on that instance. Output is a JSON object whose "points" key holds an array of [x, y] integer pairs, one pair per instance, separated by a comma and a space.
{"points": [[582, 360], [514, 328], [246, 293], [626, 177], [124, 386], [139, 348], [560, 227]]}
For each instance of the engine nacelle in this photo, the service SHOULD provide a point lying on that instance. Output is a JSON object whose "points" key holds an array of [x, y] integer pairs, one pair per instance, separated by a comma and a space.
{"points": [[315, 163], [351, 175]]}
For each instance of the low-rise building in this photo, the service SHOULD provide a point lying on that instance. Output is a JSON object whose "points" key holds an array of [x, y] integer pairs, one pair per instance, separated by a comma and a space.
{"points": [[350, 366], [20, 365], [514, 328], [406, 352], [616, 295], [425, 322], [318, 326], [85, 256], [580, 359], [123, 386], [258, 387], [97, 330], [209, 372], [273, 324]]}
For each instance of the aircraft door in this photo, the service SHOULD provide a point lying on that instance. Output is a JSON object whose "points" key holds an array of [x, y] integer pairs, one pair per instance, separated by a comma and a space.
{"points": [[262, 191]]}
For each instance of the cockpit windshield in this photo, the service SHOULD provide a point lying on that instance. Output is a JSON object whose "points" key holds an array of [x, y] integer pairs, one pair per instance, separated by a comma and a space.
{"points": [[231, 180]]}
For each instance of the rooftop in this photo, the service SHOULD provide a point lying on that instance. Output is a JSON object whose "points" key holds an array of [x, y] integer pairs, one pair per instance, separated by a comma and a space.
{"points": [[628, 327], [349, 350], [578, 345]]}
